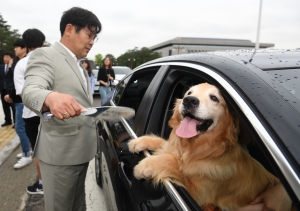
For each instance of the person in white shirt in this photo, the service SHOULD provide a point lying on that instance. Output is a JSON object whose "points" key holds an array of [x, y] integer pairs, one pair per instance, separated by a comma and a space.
{"points": [[33, 39]]}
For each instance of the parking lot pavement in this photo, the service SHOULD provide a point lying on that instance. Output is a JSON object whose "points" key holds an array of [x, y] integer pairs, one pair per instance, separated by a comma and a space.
{"points": [[93, 193], [9, 147], [9, 141]]}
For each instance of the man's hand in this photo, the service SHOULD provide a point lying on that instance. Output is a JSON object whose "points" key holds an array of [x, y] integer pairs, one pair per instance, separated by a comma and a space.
{"points": [[274, 199], [8, 99], [62, 106], [109, 77], [10, 63], [255, 207]]}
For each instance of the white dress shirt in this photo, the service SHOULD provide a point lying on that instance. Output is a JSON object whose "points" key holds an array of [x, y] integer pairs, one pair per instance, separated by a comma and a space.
{"points": [[19, 80], [78, 64]]}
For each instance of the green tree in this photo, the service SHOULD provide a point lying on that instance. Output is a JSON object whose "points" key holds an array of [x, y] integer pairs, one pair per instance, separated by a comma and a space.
{"points": [[7, 37], [98, 59], [135, 57]]}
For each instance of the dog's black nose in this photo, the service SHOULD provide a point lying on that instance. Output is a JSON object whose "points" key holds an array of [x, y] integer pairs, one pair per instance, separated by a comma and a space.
{"points": [[190, 102]]}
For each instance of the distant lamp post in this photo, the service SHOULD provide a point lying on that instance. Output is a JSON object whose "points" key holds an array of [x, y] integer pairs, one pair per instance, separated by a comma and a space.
{"points": [[131, 60], [178, 48], [258, 26]]}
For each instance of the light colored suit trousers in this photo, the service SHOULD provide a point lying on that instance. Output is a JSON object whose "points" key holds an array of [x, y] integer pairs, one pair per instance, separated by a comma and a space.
{"points": [[64, 147]]}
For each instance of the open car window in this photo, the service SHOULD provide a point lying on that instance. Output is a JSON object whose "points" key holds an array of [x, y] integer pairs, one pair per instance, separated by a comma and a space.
{"points": [[174, 88]]}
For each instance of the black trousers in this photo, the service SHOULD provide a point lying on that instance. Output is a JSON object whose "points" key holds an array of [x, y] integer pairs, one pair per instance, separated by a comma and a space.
{"points": [[32, 129], [6, 108]]}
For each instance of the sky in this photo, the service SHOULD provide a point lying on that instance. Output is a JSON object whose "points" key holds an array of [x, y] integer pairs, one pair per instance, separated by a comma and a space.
{"points": [[139, 23]]}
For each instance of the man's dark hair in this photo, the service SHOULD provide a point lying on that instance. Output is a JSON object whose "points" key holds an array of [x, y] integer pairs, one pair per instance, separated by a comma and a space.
{"points": [[79, 17], [33, 38], [19, 43], [8, 53]]}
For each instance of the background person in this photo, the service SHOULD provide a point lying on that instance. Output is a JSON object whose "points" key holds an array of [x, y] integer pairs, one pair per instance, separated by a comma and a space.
{"points": [[20, 52], [106, 76], [55, 81], [20, 48], [6, 78], [88, 68], [33, 38]]}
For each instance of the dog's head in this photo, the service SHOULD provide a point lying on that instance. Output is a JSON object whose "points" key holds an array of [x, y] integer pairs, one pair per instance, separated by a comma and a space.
{"points": [[200, 111]]}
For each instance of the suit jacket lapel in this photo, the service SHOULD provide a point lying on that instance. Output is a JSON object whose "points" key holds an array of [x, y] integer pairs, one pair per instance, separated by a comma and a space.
{"points": [[72, 64]]}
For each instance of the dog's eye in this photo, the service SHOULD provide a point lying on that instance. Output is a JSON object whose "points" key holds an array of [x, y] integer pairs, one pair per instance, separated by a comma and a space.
{"points": [[214, 98], [189, 93]]}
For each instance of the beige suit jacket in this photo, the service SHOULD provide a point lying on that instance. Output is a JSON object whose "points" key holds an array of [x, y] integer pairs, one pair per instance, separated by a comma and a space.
{"points": [[60, 142]]}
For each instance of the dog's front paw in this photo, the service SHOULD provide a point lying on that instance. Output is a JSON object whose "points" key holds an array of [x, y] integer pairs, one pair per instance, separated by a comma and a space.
{"points": [[136, 145], [144, 170]]}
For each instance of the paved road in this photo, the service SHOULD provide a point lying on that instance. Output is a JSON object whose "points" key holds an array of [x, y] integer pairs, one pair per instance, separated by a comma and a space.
{"points": [[13, 195]]}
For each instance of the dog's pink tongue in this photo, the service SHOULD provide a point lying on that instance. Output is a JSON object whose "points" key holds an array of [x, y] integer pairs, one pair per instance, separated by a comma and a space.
{"points": [[187, 128]]}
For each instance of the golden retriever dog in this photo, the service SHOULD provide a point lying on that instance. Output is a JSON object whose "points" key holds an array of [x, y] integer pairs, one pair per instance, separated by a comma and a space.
{"points": [[203, 153]]}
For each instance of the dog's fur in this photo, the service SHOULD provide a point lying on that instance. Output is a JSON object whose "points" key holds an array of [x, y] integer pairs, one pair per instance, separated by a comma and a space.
{"points": [[212, 165]]}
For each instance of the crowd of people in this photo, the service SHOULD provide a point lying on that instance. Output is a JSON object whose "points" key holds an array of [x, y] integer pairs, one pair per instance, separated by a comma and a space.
{"points": [[60, 81]]}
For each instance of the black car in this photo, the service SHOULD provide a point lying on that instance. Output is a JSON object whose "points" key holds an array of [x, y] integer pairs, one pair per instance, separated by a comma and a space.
{"points": [[262, 86]]}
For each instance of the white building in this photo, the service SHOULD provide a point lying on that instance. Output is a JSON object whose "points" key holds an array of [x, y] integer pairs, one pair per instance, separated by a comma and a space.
{"points": [[182, 45]]}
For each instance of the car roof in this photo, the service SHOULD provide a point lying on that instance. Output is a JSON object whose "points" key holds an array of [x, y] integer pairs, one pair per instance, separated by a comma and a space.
{"points": [[247, 64], [277, 58]]}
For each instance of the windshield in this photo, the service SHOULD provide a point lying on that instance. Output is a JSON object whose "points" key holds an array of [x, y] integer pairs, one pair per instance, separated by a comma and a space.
{"points": [[289, 78]]}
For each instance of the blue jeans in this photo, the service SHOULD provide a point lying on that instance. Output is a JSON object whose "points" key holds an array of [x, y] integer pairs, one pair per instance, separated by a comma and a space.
{"points": [[104, 90], [20, 129]]}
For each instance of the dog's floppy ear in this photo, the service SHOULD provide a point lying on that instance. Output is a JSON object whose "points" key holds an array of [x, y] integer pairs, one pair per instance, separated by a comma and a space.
{"points": [[174, 122]]}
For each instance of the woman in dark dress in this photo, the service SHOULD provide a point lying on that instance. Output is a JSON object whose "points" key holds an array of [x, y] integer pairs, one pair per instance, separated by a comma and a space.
{"points": [[106, 76]]}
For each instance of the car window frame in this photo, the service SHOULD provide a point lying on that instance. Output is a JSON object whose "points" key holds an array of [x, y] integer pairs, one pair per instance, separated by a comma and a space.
{"points": [[263, 133]]}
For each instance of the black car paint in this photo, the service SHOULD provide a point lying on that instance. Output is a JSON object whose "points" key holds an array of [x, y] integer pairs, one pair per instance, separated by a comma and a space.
{"points": [[252, 84]]}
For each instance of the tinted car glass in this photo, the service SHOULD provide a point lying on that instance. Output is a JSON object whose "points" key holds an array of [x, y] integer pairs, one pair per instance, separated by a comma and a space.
{"points": [[130, 91], [290, 79]]}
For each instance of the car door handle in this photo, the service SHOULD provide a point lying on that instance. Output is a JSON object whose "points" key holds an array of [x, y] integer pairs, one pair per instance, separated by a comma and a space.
{"points": [[122, 174]]}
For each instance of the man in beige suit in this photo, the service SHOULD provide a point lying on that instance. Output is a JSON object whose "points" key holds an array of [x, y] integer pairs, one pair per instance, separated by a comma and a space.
{"points": [[56, 82]]}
